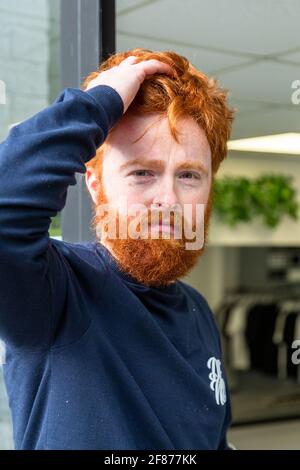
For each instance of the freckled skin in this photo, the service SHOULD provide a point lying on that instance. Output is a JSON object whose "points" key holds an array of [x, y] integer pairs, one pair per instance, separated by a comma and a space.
{"points": [[165, 186]]}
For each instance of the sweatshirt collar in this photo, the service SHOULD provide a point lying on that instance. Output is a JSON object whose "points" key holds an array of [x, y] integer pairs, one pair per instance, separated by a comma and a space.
{"points": [[110, 260]]}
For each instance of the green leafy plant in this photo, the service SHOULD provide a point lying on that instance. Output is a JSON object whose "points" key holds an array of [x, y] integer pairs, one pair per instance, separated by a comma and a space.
{"points": [[240, 199]]}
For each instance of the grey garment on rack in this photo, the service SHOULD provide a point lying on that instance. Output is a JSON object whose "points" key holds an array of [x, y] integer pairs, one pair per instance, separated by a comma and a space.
{"points": [[235, 330]]}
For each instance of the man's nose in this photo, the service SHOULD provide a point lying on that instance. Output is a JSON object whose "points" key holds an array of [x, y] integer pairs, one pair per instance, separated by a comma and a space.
{"points": [[166, 194]]}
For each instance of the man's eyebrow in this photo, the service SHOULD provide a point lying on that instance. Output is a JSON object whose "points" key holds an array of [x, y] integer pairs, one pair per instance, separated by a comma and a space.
{"points": [[143, 162], [160, 164], [192, 165]]}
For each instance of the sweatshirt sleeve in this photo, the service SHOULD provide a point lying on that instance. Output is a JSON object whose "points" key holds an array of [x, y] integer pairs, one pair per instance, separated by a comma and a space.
{"points": [[38, 162]]}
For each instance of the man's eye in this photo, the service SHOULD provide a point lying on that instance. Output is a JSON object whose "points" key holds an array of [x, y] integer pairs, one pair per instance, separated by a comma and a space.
{"points": [[141, 172], [190, 175]]}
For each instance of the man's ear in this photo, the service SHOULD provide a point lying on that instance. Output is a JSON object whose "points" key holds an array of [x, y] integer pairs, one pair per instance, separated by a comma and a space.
{"points": [[92, 184]]}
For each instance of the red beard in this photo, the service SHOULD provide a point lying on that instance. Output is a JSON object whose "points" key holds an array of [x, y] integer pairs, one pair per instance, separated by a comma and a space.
{"points": [[152, 262]]}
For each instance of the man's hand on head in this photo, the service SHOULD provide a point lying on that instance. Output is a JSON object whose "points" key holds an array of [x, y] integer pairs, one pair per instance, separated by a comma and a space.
{"points": [[127, 77]]}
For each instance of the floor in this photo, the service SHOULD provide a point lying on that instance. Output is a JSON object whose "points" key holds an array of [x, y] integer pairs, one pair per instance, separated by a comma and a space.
{"points": [[283, 435], [257, 397]]}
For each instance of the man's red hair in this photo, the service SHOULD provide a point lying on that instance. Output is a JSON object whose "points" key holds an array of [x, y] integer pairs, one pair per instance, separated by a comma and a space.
{"points": [[190, 93]]}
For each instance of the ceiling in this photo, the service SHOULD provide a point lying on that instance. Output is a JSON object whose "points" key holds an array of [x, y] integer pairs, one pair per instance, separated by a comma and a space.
{"points": [[251, 47]]}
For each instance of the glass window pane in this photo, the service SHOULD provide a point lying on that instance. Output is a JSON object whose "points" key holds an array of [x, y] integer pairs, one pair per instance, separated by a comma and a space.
{"points": [[29, 62]]}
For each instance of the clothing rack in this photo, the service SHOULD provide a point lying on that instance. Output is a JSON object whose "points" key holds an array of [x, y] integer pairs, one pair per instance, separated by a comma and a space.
{"points": [[259, 327]]}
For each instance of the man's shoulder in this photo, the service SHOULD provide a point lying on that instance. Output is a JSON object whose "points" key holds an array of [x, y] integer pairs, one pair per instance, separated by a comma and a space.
{"points": [[74, 247], [84, 251]]}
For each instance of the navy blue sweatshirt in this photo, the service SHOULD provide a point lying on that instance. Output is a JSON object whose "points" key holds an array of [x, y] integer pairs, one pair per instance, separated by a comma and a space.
{"points": [[94, 360]]}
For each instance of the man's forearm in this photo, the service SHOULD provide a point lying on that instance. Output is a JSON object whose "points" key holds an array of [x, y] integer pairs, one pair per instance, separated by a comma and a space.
{"points": [[38, 162], [40, 157]]}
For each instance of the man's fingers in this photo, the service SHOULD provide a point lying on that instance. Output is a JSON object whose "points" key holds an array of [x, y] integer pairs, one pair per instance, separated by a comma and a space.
{"points": [[155, 66], [149, 67], [129, 60], [127, 77]]}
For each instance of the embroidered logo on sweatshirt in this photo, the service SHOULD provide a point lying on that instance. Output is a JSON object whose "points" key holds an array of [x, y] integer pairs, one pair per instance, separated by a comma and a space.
{"points": [[217, 383]]}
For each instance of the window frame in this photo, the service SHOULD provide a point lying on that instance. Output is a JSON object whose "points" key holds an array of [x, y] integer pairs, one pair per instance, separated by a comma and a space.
{"points": [[88, 36]]}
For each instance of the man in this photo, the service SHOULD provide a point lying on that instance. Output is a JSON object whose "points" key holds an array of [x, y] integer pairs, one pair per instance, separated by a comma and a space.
{"points": [[105, 347]]}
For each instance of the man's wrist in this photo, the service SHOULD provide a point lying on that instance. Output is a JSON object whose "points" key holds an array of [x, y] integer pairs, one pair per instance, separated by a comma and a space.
{"points": [[110, 100]]}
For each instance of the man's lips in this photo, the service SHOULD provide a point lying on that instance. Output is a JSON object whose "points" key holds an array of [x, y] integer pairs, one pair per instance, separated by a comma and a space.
{"points": [[162, 228]]}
